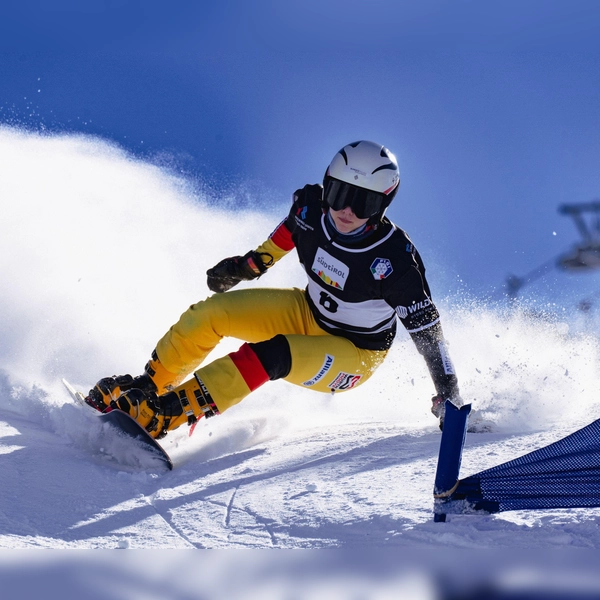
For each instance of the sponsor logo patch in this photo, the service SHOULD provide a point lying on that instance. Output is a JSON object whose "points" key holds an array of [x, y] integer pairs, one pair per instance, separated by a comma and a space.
{"points": [[418, 306], [331, 270], [404, 311], [344, 381], [448, 366], [381, 268], [322, 371], [304, 226]]}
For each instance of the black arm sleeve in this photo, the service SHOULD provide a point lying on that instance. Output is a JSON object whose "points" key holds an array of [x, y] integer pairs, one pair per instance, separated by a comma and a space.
{"points": [[432, 346]]}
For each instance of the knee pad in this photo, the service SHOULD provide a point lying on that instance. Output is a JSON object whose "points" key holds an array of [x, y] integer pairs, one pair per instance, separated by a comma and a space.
{"points": [[275, 356]]}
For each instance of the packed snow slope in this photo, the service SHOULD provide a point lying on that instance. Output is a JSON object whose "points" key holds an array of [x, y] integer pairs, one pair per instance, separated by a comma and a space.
{"points": [[99, 255]]}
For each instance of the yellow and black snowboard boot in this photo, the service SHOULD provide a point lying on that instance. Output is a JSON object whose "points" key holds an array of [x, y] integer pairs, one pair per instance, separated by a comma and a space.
{"points": [[109, 389], [187, 403], [155, 380]]}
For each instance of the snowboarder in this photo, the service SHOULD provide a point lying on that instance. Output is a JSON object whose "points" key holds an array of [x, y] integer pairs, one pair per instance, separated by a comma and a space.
{"points": [[363, 273]]}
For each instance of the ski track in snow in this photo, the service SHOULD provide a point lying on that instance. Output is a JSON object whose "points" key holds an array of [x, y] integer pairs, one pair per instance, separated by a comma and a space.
{"points": [[285, 469], [311, 488]]}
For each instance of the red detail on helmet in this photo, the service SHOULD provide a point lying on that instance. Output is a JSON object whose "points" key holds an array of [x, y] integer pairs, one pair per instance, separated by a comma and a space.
{"points": [[249, 366], [386, 192]]}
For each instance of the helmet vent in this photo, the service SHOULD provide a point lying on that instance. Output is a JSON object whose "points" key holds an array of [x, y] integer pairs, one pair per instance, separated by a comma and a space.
{"points": [[390, 166]]}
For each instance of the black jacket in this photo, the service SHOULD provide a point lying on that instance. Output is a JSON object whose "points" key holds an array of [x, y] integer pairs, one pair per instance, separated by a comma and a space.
{"points": [[359, 285]]}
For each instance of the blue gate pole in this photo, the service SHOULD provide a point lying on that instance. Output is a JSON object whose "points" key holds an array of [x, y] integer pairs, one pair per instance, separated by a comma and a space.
{"points": [[451, 446]]}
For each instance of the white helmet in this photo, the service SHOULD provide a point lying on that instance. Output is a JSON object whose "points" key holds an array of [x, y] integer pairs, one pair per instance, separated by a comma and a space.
{"points": [[363, 176]]}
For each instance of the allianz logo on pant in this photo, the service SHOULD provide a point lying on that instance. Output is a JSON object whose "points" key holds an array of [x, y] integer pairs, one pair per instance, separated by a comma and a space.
{"points": [[322, 371]]}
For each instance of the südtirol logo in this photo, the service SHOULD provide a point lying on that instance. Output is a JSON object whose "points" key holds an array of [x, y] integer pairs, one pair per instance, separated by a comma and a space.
{"points": [[331, 270]]}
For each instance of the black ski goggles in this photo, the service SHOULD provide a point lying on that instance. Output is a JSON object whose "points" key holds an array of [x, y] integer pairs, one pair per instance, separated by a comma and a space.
{"points": [[363, 203]]}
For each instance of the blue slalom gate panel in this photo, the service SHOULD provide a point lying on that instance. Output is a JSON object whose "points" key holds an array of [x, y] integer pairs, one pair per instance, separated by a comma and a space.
{"points": [[451, 446], [565, 474]]}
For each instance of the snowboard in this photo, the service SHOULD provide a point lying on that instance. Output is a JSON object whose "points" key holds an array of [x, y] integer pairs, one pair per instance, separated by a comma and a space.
{"points": [[125, 424]]}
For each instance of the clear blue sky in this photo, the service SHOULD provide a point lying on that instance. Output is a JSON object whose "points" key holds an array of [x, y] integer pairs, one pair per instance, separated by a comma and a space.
{"points": [[492, 108]]}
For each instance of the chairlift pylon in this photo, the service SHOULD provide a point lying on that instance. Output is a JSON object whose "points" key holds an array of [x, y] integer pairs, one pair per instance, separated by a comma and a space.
{"points": [[583, 257]]}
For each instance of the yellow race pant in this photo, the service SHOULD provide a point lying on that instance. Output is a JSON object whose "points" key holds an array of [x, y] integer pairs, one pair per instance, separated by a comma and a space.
{"points": [[320, 361]]}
